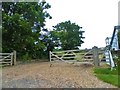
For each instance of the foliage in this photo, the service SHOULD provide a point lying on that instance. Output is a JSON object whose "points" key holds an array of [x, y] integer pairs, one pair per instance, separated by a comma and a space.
{"points": [[67, 35], [108, 76], [22, 23], [26, 57], [116, 56]]}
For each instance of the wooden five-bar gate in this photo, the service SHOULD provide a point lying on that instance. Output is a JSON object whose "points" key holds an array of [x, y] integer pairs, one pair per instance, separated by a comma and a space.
{"points": [[8, 58], [86, 55], [71, 55]]}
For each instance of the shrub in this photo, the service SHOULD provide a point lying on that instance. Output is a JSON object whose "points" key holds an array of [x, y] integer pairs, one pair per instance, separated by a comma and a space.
{"points": [[26, 57]]}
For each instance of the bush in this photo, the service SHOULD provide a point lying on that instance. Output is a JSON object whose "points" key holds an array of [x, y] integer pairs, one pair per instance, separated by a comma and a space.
{"points": [[116, 56], [26, 57]]}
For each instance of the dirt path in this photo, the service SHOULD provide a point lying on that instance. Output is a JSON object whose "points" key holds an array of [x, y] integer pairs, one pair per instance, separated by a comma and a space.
{"points": [[60, 75]]}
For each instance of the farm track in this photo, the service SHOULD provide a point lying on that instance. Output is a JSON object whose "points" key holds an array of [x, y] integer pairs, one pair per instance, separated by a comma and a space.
{"points": [[59, 75]]}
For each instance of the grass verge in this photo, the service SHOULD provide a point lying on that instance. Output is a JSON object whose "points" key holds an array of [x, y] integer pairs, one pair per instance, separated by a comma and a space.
{"points": [[106, 75]]}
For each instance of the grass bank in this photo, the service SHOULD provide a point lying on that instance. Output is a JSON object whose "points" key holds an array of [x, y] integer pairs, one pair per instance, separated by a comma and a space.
{"points": [[106, 75]]}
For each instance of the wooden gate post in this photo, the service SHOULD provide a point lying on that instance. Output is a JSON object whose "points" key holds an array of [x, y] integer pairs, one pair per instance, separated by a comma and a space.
{"points": [[11, 59], [14, 59], [96, 56], [50, 55]]}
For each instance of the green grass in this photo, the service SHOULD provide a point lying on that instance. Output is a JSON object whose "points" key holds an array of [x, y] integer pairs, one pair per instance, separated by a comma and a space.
{"points": [[106, 75], [112, 79], [106, 71]]}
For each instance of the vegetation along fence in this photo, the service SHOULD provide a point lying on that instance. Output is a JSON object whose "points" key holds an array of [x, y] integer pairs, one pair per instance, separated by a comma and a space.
{"points": [[8, 58]]}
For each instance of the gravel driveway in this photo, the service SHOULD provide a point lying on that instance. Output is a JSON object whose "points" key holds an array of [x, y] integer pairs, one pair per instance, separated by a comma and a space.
{"points": [[59, 75]]}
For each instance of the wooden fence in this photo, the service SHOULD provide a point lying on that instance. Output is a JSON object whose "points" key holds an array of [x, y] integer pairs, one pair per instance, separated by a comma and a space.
{"points": [[8, 58]]}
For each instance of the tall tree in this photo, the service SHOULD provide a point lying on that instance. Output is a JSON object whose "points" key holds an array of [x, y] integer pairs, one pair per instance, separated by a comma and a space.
{"points": [[68, 34], [22, 23]]}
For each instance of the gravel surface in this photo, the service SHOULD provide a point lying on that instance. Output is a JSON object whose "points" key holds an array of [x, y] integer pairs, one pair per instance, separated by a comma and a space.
{"points": [[59, 75]]}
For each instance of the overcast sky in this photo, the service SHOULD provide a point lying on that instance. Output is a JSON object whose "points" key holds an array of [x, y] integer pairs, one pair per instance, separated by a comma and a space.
{"points": [[97, 17]]}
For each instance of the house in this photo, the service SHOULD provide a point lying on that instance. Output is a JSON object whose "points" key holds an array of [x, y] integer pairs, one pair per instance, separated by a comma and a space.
{"points": [[112, 42]]}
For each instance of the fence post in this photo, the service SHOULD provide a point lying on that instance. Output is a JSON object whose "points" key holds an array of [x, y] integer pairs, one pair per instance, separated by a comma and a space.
{"points": [[96, 56], [14, 59], [11, 59], [50, 55]]}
